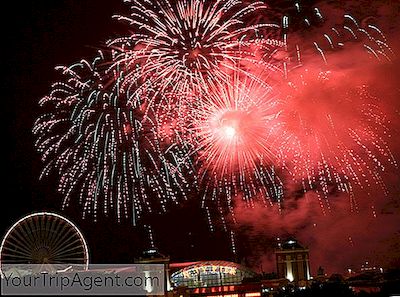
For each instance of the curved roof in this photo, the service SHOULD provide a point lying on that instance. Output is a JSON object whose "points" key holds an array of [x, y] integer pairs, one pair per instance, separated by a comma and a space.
{"points": [[217, 262], [211, 273], [220, 263]]}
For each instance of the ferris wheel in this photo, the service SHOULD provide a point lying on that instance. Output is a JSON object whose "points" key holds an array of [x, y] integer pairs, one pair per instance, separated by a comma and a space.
{"points": [[46, 239]]}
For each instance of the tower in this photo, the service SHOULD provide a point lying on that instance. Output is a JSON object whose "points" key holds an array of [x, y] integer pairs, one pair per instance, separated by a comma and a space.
{"points": [[292, 261], [153, 256]]}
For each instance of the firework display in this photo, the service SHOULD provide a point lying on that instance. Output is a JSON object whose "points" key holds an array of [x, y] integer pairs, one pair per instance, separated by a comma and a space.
{"points": [[182, 45], [107, 151], [230, 137], [323, 147], [206, 100]]}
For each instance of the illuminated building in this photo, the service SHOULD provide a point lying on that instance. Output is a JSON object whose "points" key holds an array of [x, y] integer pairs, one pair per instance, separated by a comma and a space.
{"points": [[153, 256], [368, 267], [214, 278], [292, 261], [229, 279], [211, 273]]}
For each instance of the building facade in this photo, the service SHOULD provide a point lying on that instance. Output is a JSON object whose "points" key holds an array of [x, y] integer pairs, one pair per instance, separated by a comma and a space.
{"points": [[292, 261]]}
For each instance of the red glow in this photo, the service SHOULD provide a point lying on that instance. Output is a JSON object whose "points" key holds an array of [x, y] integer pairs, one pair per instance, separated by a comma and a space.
{"points": [[127, 129], [233, 127]]}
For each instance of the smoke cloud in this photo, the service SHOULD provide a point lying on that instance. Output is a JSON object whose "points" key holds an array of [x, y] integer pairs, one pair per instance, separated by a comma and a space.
{"points": [[345, 231]]}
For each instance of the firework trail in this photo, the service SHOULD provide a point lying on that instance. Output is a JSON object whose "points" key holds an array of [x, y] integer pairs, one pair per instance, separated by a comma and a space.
{"points": [[103, 148], [326, 36], [230, 135], [180, 46], [324, 147], [333, 147]]}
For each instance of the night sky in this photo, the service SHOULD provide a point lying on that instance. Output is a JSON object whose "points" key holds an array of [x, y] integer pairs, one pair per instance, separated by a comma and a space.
{"points": [[40, 35]]}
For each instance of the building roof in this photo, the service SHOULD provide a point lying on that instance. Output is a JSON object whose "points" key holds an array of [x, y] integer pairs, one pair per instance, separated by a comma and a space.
{"points": [[220, 263], [152, 256], [210, 273], [290, 244]]}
